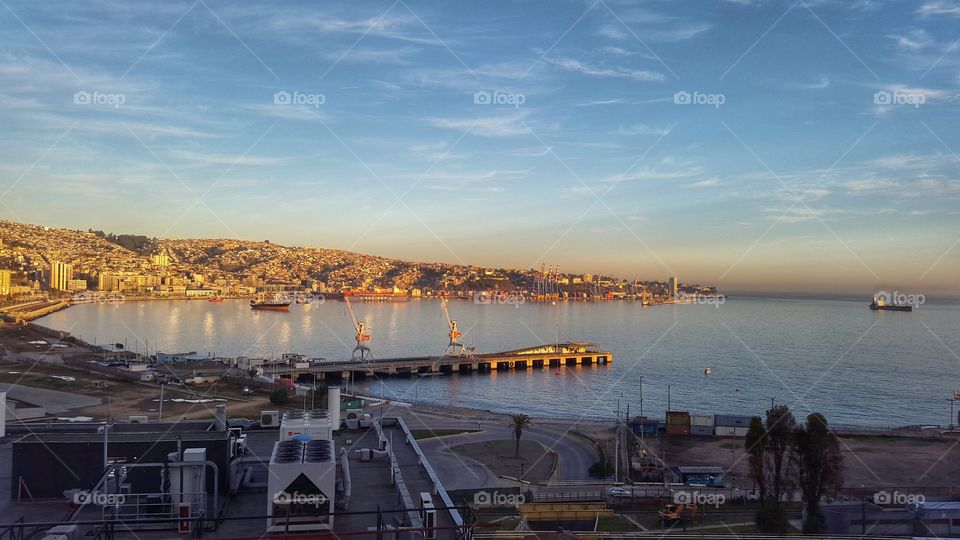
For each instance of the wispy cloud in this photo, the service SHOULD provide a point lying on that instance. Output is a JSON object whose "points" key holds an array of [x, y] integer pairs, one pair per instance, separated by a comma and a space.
{"points": [[939, 7], [505, 125], [570, 64]]}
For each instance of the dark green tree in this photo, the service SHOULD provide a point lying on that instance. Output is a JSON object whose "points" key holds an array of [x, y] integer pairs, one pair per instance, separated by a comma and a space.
{"points": [[769, 445], [279, 396], [819, 466], [519, 422], [755, 444]]}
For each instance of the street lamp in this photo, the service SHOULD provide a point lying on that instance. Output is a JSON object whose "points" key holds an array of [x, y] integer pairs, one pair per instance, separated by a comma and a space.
{"points": [[641, 395], [951, 400]]}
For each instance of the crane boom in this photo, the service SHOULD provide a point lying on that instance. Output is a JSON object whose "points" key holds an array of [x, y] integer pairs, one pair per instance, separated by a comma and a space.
{"points": [[361, 351]]}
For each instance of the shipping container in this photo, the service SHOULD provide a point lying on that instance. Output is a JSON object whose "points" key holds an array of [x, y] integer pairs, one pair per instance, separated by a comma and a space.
{"points": [[729, 420], [644, 425], [701, 431], [701, 420], [678, 430], [740, 431], [678, 418], [725, 431]]}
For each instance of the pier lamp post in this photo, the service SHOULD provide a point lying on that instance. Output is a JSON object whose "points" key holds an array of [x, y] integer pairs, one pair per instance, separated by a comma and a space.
{"points": [[952, 401], [641, 395]]}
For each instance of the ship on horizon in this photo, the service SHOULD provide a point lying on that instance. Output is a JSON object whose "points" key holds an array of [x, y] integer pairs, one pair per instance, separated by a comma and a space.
{"points": [[274, 304], [880, 304]]}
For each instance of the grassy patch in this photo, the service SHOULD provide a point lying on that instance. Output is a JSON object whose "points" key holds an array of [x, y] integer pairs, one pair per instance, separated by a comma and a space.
{"points": [[420, 434]]}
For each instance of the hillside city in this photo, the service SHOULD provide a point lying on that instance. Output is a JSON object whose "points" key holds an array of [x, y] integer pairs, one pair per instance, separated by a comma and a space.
{"points": [[43, 261]]}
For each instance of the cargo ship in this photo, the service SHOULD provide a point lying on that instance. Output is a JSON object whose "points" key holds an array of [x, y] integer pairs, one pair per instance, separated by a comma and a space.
{"points": [[270, 305], [879, 304]]}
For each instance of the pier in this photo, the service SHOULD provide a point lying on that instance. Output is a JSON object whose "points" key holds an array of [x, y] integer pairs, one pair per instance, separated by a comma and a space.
{"points": [[540, 357]]}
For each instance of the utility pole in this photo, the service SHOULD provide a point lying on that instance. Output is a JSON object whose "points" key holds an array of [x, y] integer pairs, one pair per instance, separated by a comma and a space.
{"points": [[668, 398]]}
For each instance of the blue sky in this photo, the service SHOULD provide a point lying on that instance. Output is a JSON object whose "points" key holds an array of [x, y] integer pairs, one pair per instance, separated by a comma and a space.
{"points": [[818, 150]]}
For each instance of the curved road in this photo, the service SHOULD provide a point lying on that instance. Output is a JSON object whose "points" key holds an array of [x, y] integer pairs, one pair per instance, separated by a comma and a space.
{"points": [[575, 453]]}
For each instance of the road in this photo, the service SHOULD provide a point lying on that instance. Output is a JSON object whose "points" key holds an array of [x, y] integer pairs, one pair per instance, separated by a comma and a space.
{"points": [[575, 453]]}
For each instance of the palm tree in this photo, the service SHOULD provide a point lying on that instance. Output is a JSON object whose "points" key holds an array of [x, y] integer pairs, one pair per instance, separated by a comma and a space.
{"points": [[519, 421]]}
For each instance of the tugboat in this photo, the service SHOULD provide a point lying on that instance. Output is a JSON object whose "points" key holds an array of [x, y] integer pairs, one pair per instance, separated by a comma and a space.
{"points": [[273, 305], [880, 304]]}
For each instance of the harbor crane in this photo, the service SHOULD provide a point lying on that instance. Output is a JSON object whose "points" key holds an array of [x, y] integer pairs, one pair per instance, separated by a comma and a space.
{"points": [[361, 352], [454, 348]]}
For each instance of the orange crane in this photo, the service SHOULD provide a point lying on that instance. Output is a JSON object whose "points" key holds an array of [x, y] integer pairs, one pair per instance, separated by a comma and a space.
{"points": [[361, 352], [454, 348]]}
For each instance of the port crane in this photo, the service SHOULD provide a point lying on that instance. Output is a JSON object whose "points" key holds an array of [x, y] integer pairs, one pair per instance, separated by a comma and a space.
{"points": [[361, 352], [454, 348]]}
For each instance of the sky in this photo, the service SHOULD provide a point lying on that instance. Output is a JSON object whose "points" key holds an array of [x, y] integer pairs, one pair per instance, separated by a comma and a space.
{"points": [[806, 146]]}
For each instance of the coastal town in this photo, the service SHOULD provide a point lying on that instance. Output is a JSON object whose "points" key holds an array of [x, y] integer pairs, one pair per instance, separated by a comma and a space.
{"points": [[42, 264]]}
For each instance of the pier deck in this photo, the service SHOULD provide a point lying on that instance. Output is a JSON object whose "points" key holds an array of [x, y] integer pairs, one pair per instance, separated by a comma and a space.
{"points": [[538, 357]]}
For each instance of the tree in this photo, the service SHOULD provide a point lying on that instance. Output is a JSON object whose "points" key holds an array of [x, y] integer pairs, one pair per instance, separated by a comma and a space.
{"points": [[518, 423], [819, 466], [755, 444], [769, 445], [279, 396]]}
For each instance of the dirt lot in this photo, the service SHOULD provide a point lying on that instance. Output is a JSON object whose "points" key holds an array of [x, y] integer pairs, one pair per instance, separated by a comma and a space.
{"points": [[872, 462], [498, 456]]}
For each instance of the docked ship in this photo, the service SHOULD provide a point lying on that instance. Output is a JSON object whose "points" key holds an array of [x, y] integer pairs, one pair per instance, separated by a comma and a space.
{"points": [[880, 304], [274, 304]]}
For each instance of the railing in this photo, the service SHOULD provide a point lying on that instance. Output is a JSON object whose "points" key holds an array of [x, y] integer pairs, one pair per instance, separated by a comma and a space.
{"points": [[12, 531]]}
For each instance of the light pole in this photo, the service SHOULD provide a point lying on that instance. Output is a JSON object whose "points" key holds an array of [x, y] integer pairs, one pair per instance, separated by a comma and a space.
{"points": [[668, 397], [641, 395]]}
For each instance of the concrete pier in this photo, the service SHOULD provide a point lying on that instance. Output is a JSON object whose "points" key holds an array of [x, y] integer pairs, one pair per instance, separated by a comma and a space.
{"points": [[540, 357]]}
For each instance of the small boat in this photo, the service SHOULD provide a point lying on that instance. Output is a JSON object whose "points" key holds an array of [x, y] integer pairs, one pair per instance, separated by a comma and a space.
{"points": [[708, 371], [216, 300]]}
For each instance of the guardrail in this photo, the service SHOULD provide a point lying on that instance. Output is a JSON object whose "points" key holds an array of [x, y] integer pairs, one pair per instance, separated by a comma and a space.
{"points": [[437, 485]]}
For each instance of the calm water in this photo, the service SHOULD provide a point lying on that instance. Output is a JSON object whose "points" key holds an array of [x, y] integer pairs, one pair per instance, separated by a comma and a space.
{"points": [[833, 356]]}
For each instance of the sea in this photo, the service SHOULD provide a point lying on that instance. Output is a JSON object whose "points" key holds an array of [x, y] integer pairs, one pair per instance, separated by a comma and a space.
{"points": [[829, 355]]}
